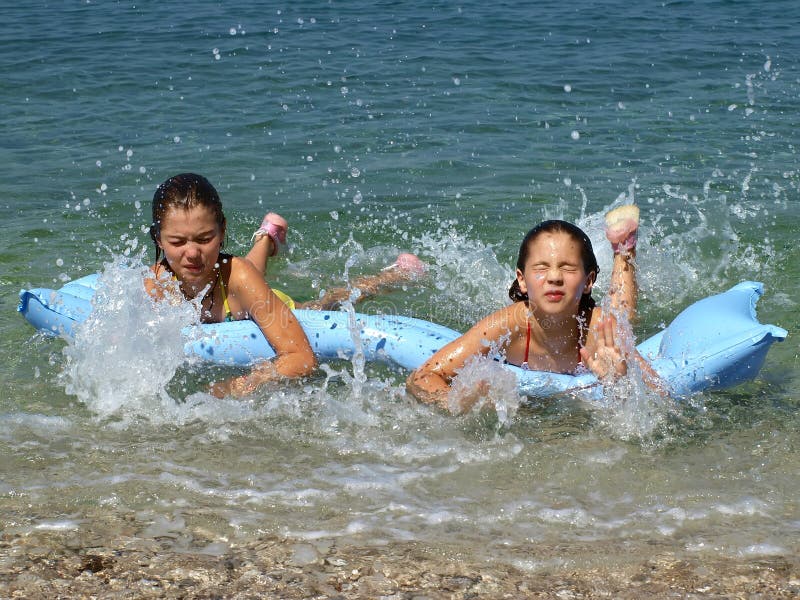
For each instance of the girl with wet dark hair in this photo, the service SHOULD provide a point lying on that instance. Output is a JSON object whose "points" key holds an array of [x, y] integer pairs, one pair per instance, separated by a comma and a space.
{"points": [[553, 323], [188, 229]]}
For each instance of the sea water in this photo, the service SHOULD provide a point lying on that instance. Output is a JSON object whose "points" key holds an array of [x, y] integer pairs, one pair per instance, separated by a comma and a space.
{"points": [[444, 129]]}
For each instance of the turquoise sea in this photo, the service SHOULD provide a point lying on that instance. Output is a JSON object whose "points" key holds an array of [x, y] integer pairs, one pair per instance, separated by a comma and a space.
{"points": [[443, 128]]}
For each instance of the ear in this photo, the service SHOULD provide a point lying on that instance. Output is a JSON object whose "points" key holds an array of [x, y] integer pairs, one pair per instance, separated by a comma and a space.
{"points": [[590, 279], [521, 282]]}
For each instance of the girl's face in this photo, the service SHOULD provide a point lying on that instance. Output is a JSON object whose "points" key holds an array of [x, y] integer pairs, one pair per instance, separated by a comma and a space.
{"points": [[554, 277], [191, 240]]}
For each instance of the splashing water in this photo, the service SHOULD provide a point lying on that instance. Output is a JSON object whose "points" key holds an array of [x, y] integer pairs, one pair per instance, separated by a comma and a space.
{"points": [[494, 386], [630, 408], [124, 355]]}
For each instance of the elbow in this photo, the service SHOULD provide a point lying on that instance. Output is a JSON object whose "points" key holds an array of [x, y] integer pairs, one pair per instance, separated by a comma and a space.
{"points": [[295, 365], [411, 385], [309, 365], [306, 363]]}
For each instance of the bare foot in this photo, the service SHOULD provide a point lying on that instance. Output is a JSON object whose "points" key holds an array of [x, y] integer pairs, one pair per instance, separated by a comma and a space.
{"points": [[622, 224], [408, 264]]}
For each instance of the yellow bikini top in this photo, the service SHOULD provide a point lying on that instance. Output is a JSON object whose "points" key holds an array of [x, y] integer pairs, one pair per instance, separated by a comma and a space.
{"points": [[223, 291], [282, 296]]}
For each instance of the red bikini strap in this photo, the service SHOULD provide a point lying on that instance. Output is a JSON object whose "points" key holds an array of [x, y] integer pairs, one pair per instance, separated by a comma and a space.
{"points": [[527, 343]]}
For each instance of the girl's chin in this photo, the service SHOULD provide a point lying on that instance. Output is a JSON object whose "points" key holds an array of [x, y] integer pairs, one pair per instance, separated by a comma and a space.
{"points": [[192, 276], [557, 309]]}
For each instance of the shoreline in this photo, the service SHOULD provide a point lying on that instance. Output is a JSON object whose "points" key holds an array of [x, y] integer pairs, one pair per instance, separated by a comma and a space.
{"points": [[66, 564]]}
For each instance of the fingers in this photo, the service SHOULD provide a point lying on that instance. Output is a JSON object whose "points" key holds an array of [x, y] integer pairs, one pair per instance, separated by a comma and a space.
{"points": [[602, 354], [608, 332], [236, 388]]}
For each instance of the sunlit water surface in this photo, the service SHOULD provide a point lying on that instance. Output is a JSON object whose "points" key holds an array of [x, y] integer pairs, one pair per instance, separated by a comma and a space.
{"points": [[446, 130]]}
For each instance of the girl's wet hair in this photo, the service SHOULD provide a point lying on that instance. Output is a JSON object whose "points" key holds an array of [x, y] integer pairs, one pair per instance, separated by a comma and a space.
{"points": [[557, 226], [184, 191]]}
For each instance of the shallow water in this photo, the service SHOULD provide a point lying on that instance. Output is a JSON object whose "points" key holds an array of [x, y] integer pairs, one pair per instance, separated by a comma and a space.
{"points": [[446, 130]]}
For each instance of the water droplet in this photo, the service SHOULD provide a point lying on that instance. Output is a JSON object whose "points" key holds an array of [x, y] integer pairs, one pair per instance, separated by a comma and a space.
{"points": [[575, 135], [568, 88]]}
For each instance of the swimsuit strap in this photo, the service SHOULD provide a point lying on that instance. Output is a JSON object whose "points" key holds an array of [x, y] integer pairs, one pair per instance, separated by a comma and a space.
{"points": [[228, 313], [524, 364]]}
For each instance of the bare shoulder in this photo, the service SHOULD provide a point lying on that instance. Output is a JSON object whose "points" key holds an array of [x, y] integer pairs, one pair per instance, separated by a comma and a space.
{"points": [[502, 322], [152, 286], [242, 272], [494, 331]]}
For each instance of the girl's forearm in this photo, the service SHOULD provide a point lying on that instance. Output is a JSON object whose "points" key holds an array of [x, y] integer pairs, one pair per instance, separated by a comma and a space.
{"points": [[287, 366]]}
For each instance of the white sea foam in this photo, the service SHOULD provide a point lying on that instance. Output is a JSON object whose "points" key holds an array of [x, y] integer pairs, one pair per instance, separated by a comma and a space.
{"points": [[127, 351]]}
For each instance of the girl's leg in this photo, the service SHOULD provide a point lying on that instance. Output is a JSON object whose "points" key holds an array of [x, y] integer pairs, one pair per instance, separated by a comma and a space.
{"points": [[266, 240], [407, 267], [609, 341], [622, 225]]}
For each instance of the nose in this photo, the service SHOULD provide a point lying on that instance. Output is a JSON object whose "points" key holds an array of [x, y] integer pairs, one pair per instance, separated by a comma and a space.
{"points": [[554, 274], [193, 250]]}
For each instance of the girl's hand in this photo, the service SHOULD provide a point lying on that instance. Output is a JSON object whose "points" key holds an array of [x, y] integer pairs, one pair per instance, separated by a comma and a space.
{"points": [[237, 387], [246, 384], [464, 402], [602, 354]]}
